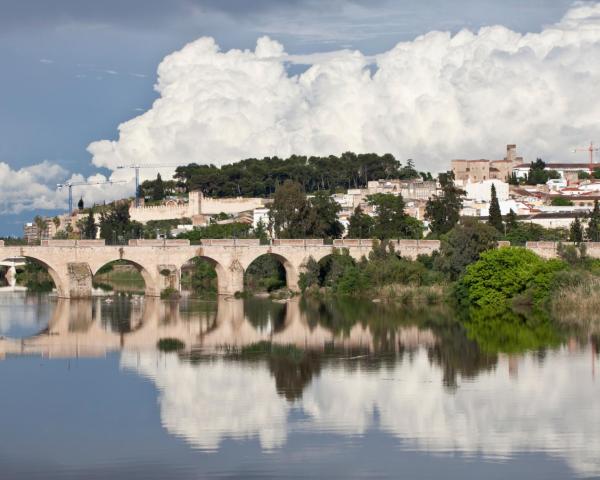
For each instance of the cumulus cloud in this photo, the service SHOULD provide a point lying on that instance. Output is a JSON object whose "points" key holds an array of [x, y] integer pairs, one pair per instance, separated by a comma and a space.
{"points": [[438, 97], [29, 187]]}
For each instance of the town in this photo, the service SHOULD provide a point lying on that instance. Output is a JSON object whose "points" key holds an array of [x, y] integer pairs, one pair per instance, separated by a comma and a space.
{"points": [[552, 196]]}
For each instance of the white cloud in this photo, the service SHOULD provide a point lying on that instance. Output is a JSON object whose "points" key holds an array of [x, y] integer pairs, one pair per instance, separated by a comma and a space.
{"points": [[431, 99], [30, 188]]}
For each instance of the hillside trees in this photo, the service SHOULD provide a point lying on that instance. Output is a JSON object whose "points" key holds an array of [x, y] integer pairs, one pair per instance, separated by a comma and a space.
{"points": [[443, 211]]}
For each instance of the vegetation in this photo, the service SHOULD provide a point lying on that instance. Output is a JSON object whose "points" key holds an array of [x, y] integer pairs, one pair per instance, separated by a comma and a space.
{"points": [[443, 212], [495, 216], [116, 227], [391, 221], [538, 174], [561, 202], [261, 177]]}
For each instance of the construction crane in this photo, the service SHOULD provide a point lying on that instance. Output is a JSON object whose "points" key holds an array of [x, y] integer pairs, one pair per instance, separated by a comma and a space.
{"points": [[70, 186], [591, 150], [137, 167]]}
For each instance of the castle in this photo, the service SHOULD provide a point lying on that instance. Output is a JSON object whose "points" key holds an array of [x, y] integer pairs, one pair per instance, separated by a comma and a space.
{"points": [[197, 208]]}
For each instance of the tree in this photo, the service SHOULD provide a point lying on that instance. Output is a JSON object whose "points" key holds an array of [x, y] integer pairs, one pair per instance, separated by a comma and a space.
{"points": [[391, 221], [56, 222], [289, 212], [593, 229], [408, 172], [80, 204], [510, 221], [576, 231], [443, 212], [463, 245], [116, 225], [40, 225], [501, 274], [89, 228], [495, 216], [561, 202], [360, 224], [158, 190], [538, 174], [323, 216], [513, 179]]}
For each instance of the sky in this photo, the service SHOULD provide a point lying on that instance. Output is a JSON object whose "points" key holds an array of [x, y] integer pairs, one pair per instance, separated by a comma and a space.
{"points": [[87, 86]]}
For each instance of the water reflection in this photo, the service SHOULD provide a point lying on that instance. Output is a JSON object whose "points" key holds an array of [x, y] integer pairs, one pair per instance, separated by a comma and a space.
{"points": [[257, 369]]}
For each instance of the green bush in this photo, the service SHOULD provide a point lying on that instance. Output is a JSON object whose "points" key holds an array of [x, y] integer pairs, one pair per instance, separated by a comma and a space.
{"points": [[503, 274]]}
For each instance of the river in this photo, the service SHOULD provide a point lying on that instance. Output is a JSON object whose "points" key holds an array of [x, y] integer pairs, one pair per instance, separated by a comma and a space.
{"points": [[301, 389]]}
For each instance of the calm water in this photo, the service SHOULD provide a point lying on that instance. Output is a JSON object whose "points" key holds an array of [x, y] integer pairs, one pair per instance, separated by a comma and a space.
{"points": [[272, 390]]}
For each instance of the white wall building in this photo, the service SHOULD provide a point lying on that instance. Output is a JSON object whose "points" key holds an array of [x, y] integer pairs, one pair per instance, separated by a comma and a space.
{"points": [[482, 191]]}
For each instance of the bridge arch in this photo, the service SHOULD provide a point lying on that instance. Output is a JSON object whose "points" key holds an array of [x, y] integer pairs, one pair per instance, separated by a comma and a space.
{"points": [[292, 271], [61, 284], [149, 280], [229, 277]]}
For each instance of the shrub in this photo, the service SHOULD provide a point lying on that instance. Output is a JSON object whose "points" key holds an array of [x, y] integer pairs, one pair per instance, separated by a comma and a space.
{"points": [[503, 274]]}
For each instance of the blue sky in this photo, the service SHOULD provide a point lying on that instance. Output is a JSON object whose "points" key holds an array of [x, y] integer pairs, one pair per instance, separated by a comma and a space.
{"points": [[73, 70]]}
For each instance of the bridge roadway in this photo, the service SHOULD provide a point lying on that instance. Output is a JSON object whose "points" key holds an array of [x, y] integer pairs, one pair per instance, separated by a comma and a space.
{"points": [[73, 263]]}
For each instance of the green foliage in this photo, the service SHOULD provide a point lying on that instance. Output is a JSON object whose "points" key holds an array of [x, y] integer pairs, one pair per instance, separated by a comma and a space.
{"points": [[582, 175], [576, 231], [201, 277], [510, 221], [522, 232], [266, 273], [463, 245], [391, 221], [360, 224], [574, 255], [89, 227], [324, 217], [593, 228], [290, 213], [215, 230], [158, 189], [495, 216], [443, 212], [261, 177], [116, 226], [310, 277], [561, 202], [80, 204], [503, 274], [538, 174], [170, 293]]}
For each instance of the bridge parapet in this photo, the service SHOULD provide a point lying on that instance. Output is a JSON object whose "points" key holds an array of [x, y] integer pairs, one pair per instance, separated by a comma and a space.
{"points": [[72, 243], [297, 242], [173, 242], [230, 242]]}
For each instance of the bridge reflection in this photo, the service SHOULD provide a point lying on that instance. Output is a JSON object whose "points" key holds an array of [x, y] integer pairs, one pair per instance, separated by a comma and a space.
{"points": [[82, 328]]}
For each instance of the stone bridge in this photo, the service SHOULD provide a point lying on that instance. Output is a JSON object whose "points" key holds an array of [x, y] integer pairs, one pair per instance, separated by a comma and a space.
{"points": [[73, 263]]}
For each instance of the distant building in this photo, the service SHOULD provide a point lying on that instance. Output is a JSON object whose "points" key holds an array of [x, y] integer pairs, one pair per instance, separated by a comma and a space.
{"points": [[480, 170], [566, 170]]}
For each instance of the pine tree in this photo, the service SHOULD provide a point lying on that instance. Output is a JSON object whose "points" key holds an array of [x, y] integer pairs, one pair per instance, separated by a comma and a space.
{"points": [[80, 204], [90, 229], [576, 231], [360, 224], [593, 230], [158, 190], [510, 222], [495, 216], [443, 212]]}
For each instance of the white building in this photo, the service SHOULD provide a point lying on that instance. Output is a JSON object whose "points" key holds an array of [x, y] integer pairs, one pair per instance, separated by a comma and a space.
{"points": [[482, 191]]}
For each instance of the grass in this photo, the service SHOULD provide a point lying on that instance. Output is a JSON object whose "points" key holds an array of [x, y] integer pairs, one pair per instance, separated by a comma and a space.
{"points": [[413, 295], [578, 304]]}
